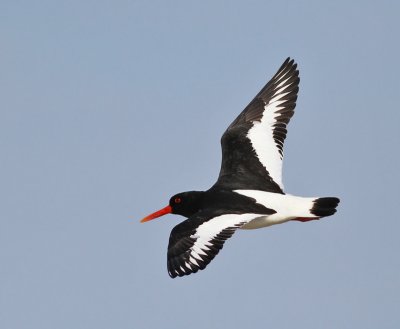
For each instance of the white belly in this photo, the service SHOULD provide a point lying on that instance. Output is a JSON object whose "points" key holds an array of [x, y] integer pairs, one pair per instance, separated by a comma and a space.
{"points": [[264, 221], [287, 207]]}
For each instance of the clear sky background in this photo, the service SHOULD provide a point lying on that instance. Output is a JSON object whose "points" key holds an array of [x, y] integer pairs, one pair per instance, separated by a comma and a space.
{"points": [[107, 108]]}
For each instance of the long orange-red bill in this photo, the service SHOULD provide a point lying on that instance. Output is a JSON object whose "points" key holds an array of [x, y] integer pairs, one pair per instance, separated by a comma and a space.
{"points": [[161, 212]]}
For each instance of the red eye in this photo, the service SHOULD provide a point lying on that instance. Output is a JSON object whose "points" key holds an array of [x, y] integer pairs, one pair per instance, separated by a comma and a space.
{"points": [[177, 200]]}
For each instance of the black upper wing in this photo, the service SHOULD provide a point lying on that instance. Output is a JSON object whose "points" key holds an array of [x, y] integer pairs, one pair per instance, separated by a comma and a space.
{"points": [[252, 146], [195, 242]]}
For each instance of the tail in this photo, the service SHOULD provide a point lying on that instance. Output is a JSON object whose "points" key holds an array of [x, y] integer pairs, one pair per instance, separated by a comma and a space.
{"points": [[324, 206]]}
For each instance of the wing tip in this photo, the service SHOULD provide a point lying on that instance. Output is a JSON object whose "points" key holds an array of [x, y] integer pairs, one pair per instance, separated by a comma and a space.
{"points": [[178, 269], [289, 62], [289, 65]]}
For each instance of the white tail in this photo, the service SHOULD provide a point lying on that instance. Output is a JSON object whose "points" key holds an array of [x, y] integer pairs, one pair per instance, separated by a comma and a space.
{"points": [[289, 207]]}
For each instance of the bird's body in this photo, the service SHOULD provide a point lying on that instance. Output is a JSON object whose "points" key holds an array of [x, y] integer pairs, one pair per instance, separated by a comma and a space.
{"points": [[249, 191]]}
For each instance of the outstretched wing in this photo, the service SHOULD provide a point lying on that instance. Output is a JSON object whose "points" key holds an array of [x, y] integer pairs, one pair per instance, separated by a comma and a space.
{"points": [[195, 242], [252, 146]]}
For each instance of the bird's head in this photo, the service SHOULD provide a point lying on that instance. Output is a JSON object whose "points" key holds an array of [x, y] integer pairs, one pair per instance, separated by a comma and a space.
{"points": [[185, 204]]}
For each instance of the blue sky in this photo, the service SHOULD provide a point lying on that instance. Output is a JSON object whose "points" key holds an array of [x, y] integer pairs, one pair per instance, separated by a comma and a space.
{"points": [[108, 108]]}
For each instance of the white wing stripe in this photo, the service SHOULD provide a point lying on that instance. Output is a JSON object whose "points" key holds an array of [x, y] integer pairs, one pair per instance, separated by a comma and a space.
{"points": [[281, 83], [277, 97], [195, 256], [262, 140], [193, 260], [207, 231], [261, 134], [198, 250]]}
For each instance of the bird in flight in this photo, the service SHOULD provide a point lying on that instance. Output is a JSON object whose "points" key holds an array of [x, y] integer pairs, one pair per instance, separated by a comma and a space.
{"points": [[249, 193]]}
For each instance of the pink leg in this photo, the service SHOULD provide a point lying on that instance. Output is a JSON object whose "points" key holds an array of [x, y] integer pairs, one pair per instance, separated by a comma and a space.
{"points": [[305, 219]]}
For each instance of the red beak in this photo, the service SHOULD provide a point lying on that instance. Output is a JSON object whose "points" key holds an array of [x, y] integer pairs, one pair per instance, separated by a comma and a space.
{"points": [[161, 212]]}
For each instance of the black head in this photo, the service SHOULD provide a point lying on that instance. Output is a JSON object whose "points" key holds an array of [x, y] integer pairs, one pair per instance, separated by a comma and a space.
{"points": [[185, 204]]}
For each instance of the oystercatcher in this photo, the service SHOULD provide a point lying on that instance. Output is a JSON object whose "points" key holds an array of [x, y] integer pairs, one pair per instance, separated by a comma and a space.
{"points": [[249, 191]]}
